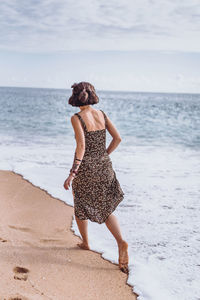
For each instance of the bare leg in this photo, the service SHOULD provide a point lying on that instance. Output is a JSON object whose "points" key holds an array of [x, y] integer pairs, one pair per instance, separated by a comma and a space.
{"points": [[113, 225], [83, 229]]}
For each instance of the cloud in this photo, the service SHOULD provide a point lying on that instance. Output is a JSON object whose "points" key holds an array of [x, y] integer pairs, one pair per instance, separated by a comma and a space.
{"points": [[58, 25]]}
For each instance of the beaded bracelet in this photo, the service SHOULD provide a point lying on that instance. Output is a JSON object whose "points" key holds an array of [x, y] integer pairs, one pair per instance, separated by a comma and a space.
{"points": [[73, 171], [72, 174]]}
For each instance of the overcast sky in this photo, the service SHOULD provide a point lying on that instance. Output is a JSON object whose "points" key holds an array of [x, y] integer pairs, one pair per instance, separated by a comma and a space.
{"points": [[139, 45]]}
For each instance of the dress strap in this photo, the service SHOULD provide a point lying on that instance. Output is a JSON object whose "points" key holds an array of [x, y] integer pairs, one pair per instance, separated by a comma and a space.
{"points": [[83, 123], [105, 117]]}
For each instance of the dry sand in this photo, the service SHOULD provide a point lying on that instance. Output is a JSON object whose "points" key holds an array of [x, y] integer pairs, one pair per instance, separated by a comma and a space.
{"points": [[39, 258]]}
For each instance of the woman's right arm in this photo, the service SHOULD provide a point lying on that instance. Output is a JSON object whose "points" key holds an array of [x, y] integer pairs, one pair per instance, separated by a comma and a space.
{"points": [[115, 135]]}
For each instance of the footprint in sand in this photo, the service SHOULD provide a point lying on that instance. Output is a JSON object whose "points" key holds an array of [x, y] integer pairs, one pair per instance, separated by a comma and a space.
{"points": [[2, 240], [49, 240], [17, 297], [20, 273], [25, 229]]}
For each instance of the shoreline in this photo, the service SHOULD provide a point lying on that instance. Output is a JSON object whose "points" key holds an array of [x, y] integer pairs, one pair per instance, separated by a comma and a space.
{"points": [[44, 244]]}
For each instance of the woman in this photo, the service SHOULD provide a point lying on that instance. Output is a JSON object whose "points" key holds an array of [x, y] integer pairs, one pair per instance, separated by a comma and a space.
{"points": [[96, 190]]}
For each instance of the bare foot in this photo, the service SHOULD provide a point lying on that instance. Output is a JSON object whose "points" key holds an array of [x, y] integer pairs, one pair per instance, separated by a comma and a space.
{"points": [[84, 246], [123, 257]]}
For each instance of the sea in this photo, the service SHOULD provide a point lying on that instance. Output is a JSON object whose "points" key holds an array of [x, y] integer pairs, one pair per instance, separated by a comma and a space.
{"points": [[157, 164]]}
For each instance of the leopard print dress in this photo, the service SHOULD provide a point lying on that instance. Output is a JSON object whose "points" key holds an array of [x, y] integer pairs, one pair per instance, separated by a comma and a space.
{"points": [[95, 188]]}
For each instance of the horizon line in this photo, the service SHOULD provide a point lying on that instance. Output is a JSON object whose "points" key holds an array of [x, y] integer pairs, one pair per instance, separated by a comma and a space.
{"points": [[100, 90]]}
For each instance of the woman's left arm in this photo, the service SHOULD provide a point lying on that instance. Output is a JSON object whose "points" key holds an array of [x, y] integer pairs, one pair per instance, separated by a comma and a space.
{"points": [[79, 151]]}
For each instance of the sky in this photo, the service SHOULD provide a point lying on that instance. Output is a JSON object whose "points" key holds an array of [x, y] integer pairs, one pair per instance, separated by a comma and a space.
{"points": [[130, 45]]}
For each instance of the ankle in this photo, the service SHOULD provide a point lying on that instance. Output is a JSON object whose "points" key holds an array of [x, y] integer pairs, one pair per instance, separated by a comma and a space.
{"points": [[120, 242], [85, 242]]}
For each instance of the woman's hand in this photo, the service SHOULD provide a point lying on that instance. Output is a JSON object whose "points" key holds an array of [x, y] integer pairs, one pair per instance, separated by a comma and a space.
{"points": [[68, 181]]}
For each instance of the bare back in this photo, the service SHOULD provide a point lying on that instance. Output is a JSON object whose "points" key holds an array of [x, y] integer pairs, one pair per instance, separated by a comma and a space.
{"points": [[94, 120]]}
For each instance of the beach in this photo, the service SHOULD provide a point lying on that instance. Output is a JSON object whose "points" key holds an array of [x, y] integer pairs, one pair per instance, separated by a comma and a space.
{"points": [[39, 256]]}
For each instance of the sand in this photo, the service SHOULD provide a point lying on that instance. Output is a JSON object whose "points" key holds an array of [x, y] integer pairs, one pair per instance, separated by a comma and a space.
{"points": [[39, 256]]}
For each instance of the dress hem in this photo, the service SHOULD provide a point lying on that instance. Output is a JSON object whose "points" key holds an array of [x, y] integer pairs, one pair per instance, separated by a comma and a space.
{"points": [[110, 212]]}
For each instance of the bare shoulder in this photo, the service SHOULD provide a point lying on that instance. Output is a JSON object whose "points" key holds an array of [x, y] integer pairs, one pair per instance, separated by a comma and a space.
{"points": [[102, 111], [74, 118]]}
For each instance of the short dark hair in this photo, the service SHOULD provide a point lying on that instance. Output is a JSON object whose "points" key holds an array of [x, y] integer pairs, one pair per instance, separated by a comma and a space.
{"points": [[83, 93]]}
